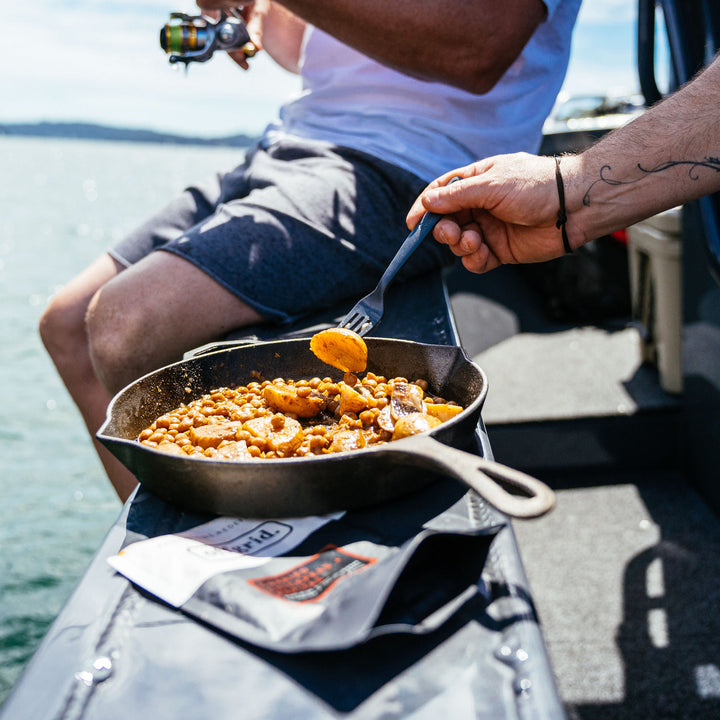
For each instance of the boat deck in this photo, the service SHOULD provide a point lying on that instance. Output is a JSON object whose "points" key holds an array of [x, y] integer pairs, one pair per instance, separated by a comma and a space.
{"points": [[625, 571]]}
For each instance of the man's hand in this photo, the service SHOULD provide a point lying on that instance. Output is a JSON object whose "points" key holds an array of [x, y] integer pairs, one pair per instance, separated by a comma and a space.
{"points": [[504, 210], [271, 26], [212, 8]]}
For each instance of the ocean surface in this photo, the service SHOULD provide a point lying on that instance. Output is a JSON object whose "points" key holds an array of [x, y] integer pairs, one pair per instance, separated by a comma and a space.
{"points": [[62, 202]]}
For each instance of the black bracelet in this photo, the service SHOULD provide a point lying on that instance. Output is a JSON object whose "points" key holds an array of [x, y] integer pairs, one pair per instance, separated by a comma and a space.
{"points": [[562, 214]]}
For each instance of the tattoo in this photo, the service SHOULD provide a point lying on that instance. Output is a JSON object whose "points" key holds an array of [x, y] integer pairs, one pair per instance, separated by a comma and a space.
{"points": [[712, 163]]}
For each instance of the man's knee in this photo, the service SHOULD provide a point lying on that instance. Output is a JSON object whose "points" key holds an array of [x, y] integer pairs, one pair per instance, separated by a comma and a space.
{"points": [[110, 331], [62, 328], [62, 325]]}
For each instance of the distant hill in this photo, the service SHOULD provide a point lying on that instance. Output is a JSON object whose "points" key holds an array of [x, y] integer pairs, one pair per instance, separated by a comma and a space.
{"points": [[89, 131]]}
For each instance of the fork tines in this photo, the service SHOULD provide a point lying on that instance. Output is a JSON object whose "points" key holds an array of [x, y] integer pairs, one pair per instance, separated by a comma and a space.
{"points": [[357, 323]]}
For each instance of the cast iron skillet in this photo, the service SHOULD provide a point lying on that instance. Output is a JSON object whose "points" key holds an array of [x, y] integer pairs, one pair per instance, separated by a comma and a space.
{"points": [[291, 487]]}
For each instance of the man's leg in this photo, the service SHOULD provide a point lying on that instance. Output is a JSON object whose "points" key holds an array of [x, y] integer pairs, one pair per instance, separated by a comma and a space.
{"points": [[62, 328], [106, 328]]}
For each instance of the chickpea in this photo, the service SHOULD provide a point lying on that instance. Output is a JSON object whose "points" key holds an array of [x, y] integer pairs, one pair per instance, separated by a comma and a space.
{"points": [[367, 417], [317, 442]]}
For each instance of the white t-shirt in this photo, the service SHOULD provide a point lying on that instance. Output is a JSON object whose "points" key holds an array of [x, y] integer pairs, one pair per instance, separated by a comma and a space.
{"points": [[427, 127]]}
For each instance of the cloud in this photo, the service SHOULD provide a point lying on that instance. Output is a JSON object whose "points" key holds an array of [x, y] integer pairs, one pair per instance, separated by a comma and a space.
{"points": [[100, 61]]}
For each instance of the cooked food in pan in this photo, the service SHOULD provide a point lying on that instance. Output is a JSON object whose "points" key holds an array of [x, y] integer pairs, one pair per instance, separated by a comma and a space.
{"points": [[285, 418]]}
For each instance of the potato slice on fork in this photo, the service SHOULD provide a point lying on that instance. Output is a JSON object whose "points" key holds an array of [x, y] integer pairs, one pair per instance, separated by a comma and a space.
{"points": [[341, 348]]}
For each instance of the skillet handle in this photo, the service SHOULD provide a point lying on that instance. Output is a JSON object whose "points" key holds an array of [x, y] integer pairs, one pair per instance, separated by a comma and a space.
{"points": [[485, 477]]}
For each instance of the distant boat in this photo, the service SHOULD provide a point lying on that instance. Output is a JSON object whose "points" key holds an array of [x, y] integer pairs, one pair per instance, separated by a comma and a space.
{"points": [[578, 120]]}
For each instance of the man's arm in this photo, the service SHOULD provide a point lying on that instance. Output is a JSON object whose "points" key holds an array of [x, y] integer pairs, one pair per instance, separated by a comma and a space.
{"points": [[466, 44], [666, 157], [506, 208]]}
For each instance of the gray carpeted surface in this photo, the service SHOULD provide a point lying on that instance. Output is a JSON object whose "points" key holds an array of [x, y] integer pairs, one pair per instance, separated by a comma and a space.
{"points": [[625, 571]]}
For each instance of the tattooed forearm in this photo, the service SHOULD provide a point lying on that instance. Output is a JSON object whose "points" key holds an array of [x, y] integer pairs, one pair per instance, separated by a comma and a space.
{"points": [[712, 163]]}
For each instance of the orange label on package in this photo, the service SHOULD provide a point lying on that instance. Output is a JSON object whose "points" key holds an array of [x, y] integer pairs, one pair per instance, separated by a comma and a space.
{"points": [[310, 580]]}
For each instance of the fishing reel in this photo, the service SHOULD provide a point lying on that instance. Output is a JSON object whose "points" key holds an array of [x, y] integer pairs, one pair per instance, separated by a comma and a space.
{"points": [[195, 38]]}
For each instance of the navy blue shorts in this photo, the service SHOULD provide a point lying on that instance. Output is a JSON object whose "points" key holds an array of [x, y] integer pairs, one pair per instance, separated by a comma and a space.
{"points": [[297, 227]]}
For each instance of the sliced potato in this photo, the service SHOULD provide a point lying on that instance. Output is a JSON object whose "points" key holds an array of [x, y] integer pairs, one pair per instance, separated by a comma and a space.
{"points": [[207, 436], [283, 439], [344, 440], [234, 451], [443, 411], [340, 348], [285, 399], [414, 423], [351, 400], [171, 448]]}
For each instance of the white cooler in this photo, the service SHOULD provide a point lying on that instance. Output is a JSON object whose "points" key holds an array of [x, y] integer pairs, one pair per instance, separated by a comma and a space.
{"points": [[655, 252]]}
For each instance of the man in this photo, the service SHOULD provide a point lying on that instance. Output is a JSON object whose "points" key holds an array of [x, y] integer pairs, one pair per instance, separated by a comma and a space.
{"points": [[506, 208], [394, 93]]}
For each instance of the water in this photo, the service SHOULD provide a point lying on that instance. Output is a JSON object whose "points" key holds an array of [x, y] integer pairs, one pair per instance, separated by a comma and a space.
{"points": [[62, 202]]}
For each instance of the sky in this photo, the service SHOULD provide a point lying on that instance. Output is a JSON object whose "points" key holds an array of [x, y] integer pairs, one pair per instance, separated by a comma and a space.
{"points": [[100, 61]]}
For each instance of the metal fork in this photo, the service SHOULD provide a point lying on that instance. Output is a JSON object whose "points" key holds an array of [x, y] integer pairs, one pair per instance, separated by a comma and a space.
{"points": [[368, 311]]}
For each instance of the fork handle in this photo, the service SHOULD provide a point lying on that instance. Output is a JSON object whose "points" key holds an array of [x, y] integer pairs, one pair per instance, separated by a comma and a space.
{"points": [[411, 244]]}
